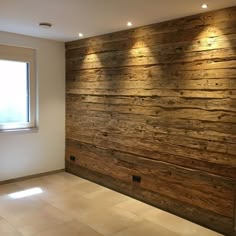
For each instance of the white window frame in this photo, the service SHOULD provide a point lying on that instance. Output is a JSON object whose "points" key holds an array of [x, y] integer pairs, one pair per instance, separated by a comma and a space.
{"points": [[27, 55]]}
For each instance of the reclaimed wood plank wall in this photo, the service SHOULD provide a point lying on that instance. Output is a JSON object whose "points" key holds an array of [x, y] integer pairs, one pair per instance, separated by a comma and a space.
{"points": [[159, 102]]}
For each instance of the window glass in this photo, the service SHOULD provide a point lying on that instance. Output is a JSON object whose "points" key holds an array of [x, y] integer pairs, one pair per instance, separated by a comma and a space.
{"points": [[18, 108], [14, 94]]}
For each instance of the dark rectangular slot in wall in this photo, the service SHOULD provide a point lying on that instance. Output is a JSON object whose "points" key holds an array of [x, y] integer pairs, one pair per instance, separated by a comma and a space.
{"points": [[136, 178]]}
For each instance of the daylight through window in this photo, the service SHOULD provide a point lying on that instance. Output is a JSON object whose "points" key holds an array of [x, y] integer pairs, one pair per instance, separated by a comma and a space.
{"points": [[17, 88]]}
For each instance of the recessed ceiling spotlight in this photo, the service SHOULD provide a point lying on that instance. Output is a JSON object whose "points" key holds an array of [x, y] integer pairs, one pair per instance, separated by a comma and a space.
{"points": [[45, 25], [80, 35], [129, 24], [204, 6]]}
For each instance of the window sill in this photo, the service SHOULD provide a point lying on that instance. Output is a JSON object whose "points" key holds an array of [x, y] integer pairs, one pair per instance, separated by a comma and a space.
{"points": [[20, 131]]}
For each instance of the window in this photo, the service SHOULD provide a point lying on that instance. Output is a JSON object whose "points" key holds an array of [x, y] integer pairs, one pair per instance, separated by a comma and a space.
{"points": [[17, 88]]}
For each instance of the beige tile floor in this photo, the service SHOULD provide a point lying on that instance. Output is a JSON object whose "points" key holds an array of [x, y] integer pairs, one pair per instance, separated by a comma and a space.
{"points": [[72, 206]]}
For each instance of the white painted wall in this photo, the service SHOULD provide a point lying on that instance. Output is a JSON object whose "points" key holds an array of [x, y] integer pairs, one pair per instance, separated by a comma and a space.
{"points": [[23, 154]]}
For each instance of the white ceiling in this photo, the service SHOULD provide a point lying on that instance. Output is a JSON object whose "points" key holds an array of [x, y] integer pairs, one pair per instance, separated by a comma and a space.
{"points": [[93, 17]]}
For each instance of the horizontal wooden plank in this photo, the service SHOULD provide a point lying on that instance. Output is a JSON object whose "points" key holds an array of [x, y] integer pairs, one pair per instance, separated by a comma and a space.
{"points": [[150, 147], [164, 113], [213, 131], [137, 57], [223, 132], [131, 129], [156, 92], [143, 73], [223, 104], [203, 84], [154, 106]]}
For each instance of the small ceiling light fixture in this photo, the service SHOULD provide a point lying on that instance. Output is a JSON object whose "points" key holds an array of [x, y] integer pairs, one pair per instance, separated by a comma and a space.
{"points": [[80, 35], [129, 24], [204, 6], [45, 25]]}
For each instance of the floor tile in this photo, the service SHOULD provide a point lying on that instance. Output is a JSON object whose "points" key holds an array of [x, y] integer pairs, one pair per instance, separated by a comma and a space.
{"points": [[177, 224], [76, 206], [15, 208], [134, 206], [106, 195], [146, 228], [29, 223], [109, 221], [9, 188], [7, 230], [72, 228], [88, 187]]}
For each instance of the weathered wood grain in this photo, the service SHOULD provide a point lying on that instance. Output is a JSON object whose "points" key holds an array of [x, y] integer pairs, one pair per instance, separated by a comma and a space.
{"points": [[203, 41], [148, 72], [145, 56], [159, 102], [80, 101]]}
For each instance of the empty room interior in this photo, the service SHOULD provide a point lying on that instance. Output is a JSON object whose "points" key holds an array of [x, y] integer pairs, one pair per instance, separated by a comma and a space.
{"points": [[118, 118]]}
